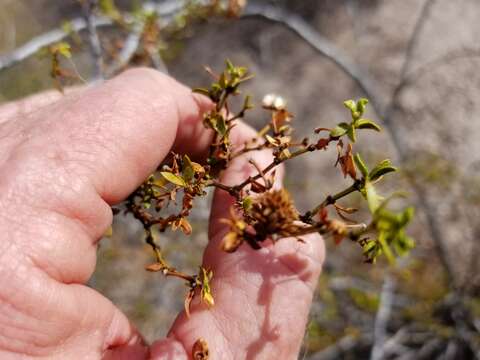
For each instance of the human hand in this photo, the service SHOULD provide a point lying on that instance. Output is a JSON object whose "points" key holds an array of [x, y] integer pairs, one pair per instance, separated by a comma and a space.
{"points": [[63, 162]]}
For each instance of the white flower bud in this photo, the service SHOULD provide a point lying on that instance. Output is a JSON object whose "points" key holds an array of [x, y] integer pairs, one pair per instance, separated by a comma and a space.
{"points": [[268, 100], [279, 103]]}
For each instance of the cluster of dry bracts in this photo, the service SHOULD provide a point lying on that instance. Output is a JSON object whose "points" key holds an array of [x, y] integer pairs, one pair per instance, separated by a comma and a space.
{"points": [[262, 213]]}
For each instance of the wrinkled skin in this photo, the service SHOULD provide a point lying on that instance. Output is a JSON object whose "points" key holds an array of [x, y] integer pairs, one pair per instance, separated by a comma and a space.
{"points": [[63, 162]]}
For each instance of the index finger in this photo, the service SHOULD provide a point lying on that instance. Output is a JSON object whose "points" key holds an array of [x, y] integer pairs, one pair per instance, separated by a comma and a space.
{"points": [[80, 154]]}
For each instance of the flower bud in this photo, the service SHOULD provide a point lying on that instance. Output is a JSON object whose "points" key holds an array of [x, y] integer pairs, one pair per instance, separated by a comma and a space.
{"points": [[279, 103], [268, 100]]}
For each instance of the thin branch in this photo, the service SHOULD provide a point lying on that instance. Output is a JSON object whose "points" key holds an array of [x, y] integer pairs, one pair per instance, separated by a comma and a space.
{"points": [[321, 44], [403, 148], [345, 345], [88, 8], [382, 318], [428, 349], [394, 345], [420, 71], [129, 48], [30, 48], [415, 37]]}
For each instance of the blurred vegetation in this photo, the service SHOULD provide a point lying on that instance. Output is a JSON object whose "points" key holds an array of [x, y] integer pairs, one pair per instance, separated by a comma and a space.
{"points": [[435, 114]]}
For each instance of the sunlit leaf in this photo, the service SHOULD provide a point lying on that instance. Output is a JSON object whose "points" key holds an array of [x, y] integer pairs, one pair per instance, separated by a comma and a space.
{"points": [[206, 277], [63, 49], [174, 179], [230, 67], [386, 248], [384, 167], [188, 172], [270, 140], [351, 133], [373, 198], [367, 124], [247, 203], [351, 105], [361, 105], [340, 130], [361, 165]]}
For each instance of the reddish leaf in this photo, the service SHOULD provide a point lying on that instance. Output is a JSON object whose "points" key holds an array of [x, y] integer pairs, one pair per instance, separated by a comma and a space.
{"points": [[347, 163], [154, 267], [322, 144]]}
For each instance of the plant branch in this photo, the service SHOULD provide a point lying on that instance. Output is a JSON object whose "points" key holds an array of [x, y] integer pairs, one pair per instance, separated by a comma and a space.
{"points": [[129, 48], [382, 318], [319, 43], [88, 8], [330, 200], [344, 346], [30, 48], [271, 166]]}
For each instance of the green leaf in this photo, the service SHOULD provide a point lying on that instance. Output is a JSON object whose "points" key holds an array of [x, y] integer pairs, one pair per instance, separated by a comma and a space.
{"points": [[217, 123], [230, 66], [351, 133], [221, 126], [188, 171], [108, 7], [368, 246], [351, 105], [222, 81], [374, 200], [206, 292], [384, 167], [367, 124], [361, 105], [340, 130], [386, 248], [63, 49], [371, 250], [174, 179], [361, 165], [407, 216], [403, 244], [247, 203]]}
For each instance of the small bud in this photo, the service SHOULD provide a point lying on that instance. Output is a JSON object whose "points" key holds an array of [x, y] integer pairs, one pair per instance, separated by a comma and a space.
{"points": [[279, 103], [268, 100]]}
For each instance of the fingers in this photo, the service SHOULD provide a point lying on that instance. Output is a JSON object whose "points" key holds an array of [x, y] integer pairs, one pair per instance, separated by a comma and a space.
{"points": [[62, 165], [66, 162], [120, 131], [262, 297]]}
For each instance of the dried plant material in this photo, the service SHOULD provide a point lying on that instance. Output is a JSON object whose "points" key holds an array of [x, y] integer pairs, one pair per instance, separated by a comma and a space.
{"points": [[273, 213], [204, 280], [347, 164], [188, 301], [261, 213], [154, 267], [200, 350]]}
